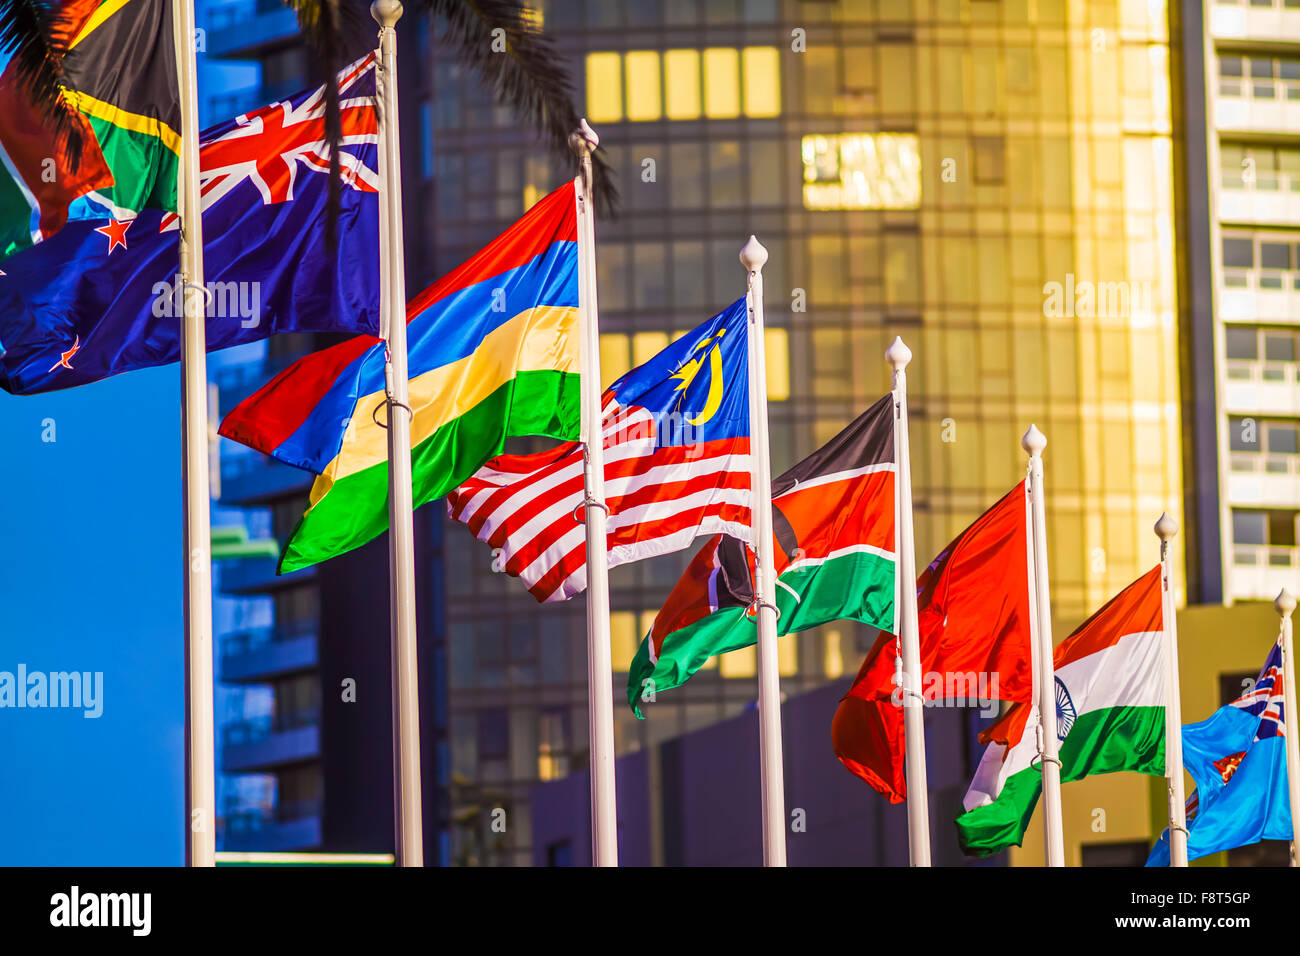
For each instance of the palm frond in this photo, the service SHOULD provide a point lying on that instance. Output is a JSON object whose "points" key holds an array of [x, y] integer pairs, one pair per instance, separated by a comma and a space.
{"points": [[529, 75], [37, 33], [330, 27]]}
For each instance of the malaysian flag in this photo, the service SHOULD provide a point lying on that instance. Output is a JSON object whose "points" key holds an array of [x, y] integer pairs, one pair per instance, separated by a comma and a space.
{"points": [[676, 438]]}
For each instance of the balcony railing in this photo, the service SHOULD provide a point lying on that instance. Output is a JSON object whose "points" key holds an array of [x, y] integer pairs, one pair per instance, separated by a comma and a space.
{"points": [[1266, 556], [1263, 373], [1263, 463], [1265, 182], [256, 729], [245, 642], [1265, 90]]}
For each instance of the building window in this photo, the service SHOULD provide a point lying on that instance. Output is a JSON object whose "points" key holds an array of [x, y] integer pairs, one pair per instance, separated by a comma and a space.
{"points": [[1265, 168], [1259, 78], [861, 171], [1264, 262], [559, 853], [1263, 538], [683, 84], [1126, 853]]}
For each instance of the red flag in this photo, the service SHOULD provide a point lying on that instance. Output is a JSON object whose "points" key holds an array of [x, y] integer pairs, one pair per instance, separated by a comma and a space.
{"points": [[975, 641]]}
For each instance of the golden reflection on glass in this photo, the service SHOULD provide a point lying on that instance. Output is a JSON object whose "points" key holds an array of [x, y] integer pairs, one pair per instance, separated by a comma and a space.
{"points": [[861, 171]]}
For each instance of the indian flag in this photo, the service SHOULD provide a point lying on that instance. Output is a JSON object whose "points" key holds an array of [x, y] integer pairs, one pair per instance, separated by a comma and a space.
{"points": [[1110, 713]]}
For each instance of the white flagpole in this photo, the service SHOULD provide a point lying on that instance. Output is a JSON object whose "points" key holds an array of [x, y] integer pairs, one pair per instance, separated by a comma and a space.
{"points": [[1285, 604], [918, 794], [1166, 528], [200, 773], [771, 765], [1033, 442], [408, 817], [600, 667]]}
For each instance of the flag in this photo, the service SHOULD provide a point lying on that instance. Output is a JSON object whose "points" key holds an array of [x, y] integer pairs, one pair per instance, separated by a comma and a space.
{"points": [[101, 297], [1110, 716], [493, 352], [1238, 759], [676, 439], [121, 61], [973, 621], [833, 521]]}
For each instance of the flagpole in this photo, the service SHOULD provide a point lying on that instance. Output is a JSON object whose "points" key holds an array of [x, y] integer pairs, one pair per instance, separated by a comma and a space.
{"points": [[1285, 605], [200, 746], [600, 668], [408, 817], [918, 795], [1033, 442], [771, 763], [1166, 527]]}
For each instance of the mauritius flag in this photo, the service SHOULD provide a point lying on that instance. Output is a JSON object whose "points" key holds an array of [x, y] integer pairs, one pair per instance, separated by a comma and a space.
{"points": [[1110, 716], [833, 520], [101, 296], [120, 58], [493, 352]]}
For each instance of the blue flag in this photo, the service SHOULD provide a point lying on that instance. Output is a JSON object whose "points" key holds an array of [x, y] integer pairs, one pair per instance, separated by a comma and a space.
{"points": [[1238, 759], [101, 296]]}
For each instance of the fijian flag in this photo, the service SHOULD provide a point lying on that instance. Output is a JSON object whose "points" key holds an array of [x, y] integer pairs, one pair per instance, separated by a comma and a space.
{"points": [[833, 518], [101, 296]]}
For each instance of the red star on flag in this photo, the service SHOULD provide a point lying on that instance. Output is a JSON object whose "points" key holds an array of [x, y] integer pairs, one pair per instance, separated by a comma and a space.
{"points": [[116, 232], [64, 356]]}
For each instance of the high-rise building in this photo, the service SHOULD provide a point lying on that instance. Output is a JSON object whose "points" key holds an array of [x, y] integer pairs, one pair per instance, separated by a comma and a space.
{"points": [[991, 179], [1241, 96]]}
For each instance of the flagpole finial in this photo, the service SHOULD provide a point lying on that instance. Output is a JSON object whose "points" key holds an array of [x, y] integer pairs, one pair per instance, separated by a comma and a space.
{"points": [[386, 12], [583, 140], [1284, 603], [1034, 442], [753, 256], [1166, 527], [898, 354]]}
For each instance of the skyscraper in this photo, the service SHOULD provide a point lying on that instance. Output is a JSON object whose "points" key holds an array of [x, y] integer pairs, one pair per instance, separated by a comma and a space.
{"points": [[1242, 81], [991, 180]]}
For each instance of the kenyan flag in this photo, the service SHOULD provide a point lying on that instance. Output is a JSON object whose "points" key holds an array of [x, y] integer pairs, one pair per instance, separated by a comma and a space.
{"points": [[1110, 716], [834, 516], [121, 61]]}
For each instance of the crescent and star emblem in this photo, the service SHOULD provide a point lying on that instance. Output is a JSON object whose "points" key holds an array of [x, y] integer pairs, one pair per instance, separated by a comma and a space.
{"points": [[687, 373]]}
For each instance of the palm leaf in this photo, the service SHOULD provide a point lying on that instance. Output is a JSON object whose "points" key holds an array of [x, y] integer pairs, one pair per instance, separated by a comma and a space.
{"points": [[529, 75], [329, 26], [36, 33]]}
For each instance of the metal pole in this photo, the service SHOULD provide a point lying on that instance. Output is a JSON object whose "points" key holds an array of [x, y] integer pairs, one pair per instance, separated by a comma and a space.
{"points": [[771, 769], [600, 668], [1166, 528], [1285, 604], [201, 772], [408, 817], [918, 794], [1034, 442]]}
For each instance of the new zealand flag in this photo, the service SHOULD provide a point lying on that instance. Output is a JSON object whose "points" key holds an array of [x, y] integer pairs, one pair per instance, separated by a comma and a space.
{"points": [[101, 297]]}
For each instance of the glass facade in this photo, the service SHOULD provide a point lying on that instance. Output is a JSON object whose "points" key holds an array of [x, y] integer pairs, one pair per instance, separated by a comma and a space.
{"points": [[990, 180]]}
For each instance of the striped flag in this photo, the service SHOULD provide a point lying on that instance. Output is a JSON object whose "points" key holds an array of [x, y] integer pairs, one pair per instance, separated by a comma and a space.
{"points": [[676, 439]]}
